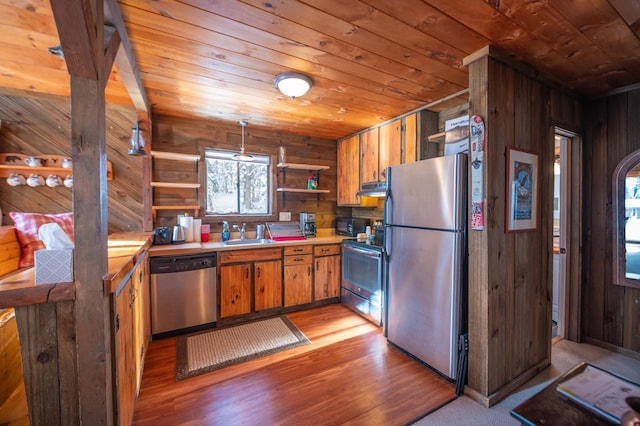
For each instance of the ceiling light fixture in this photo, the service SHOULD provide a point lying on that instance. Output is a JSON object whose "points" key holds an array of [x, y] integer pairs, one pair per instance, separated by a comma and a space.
{"points": [[293, 84], [242, 156]]}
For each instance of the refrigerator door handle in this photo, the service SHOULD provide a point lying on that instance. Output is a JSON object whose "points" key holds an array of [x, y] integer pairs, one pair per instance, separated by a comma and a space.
{"points": [[388, 215]]}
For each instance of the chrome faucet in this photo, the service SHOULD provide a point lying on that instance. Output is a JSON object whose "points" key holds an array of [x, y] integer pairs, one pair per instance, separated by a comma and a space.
{"points": [[241, 230]]}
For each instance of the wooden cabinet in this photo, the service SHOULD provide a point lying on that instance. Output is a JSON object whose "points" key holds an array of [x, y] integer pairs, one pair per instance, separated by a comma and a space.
{"points": [[141, 315], [327, 271], [381, 147], [244, 270], [370, 164], [268, 285], [132, 334], [235, 289], [298, 275], [410, 138], [390, 151], [348, 171]]}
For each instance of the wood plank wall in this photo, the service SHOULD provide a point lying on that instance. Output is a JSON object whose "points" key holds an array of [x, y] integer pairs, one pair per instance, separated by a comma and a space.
{"points": [[610, 313], [194, 136], [39, 125], [510, 274]]}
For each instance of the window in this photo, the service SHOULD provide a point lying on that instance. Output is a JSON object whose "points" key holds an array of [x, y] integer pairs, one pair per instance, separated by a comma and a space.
{"points": [[237, 187], [626, 220]]}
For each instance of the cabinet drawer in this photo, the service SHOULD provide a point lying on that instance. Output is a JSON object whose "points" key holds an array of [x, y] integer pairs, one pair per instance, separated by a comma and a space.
{"points": [[302, 259], [288, 251], [326, 250], [235, 256]]}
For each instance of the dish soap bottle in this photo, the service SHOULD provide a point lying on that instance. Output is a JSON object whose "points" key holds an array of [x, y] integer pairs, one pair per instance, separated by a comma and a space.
{"points": [[226, 234]]}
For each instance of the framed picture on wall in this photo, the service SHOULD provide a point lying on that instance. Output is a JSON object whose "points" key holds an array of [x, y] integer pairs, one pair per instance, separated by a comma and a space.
{"points": [[522, 190]]}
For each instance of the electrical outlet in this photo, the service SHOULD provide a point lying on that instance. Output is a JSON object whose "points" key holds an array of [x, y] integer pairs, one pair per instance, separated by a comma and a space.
{"points": [[285, 216]]}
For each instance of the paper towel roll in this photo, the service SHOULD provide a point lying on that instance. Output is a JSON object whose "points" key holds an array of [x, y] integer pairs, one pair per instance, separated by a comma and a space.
{"points": [[197, 223], [187, 223]]}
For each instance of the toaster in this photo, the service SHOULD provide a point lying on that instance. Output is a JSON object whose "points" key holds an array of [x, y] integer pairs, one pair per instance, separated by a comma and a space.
{"points": [[162, 235]]}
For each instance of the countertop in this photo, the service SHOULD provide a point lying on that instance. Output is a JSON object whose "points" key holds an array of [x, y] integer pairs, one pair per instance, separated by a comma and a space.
{"points": [[124, 250], [195, 248]]}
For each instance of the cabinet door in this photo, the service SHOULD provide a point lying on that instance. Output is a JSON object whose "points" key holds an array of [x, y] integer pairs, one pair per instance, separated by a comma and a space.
{"points": [[390, 148], [268, 285], [125, 355], [235, 290], [348, 171], [327, 277], [410, 133], [297, 284], [370, 162]]}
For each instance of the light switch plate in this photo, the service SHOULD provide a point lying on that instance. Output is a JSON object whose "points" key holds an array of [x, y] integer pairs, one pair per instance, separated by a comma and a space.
{"points": [[285, 216]]}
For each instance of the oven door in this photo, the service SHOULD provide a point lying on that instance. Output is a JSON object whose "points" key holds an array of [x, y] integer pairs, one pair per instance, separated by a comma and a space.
{"points": [[362, 272]]}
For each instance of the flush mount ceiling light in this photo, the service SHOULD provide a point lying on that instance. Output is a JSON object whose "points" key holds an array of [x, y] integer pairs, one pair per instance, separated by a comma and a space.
{"points": [[242, 156], [293, 84]]}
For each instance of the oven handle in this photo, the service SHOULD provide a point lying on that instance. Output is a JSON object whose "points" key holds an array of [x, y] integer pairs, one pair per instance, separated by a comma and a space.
{"points": [[368, 253]]}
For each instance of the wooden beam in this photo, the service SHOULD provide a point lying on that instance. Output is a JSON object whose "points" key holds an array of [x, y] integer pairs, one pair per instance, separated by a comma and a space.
{"points": [[93, 324], [111, 48], [125, 61], [76, 27], [80, 25]]}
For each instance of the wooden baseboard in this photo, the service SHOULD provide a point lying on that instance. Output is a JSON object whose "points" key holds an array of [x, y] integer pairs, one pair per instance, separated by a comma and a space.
{"points": [[506, 390], [612, 348]]}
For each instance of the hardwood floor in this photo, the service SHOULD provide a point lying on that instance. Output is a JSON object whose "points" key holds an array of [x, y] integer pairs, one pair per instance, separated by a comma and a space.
{"points": [[347, 375]]}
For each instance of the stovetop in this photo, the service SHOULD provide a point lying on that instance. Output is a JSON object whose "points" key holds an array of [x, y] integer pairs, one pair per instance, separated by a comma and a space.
{"points": [[374, 245]]}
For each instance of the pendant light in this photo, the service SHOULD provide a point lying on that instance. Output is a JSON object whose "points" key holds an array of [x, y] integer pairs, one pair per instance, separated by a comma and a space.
{"points": [[242, 156]]}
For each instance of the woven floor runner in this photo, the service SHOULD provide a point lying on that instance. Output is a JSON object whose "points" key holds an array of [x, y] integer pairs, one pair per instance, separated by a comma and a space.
{"points": [[214, 349]]}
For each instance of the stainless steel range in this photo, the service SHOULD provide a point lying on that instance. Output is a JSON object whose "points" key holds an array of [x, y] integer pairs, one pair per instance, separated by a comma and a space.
{"points": [[363, 279]]}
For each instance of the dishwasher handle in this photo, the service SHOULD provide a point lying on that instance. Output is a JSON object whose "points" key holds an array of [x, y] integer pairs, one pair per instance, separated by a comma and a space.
{"points": [[170, 264]]}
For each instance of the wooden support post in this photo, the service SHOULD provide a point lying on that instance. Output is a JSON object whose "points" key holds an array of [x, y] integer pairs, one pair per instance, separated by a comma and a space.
{"points": [[47, 347]]}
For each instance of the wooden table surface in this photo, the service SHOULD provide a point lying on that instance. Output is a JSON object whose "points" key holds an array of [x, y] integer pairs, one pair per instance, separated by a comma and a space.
{"points": [[550, 408]]}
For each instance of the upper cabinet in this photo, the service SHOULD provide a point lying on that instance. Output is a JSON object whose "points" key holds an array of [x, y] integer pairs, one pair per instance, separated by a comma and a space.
{"points": [[364, 158], [411, 142], [381, 147], [369, 153], [349, 171], [390, 151]]}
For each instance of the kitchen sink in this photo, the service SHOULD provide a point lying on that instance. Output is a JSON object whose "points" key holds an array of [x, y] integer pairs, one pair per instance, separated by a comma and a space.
{"points": [[247, 241]]}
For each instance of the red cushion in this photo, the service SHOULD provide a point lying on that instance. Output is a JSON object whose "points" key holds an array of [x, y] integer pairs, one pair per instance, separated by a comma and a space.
{"points": [[27, 225]]}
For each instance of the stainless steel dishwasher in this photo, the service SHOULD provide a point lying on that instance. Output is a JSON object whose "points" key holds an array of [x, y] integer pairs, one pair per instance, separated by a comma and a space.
{"points": [[183, 292]]}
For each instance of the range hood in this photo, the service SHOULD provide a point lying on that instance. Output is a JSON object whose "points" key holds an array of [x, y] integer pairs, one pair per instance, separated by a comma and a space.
{"points": [[377, 189]]}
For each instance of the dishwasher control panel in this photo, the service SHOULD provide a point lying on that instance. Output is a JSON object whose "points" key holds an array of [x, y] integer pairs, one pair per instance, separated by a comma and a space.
{"points": [[168, 264]]}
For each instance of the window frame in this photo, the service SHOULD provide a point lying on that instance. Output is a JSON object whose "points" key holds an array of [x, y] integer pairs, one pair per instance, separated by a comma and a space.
{"points": [[619, 220], [271, 177]]}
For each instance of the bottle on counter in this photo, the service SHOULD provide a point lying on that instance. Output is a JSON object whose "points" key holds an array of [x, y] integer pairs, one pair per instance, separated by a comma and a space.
{"points": [[226, 234]]}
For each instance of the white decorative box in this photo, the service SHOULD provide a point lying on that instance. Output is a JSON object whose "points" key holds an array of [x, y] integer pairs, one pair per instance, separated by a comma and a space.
{"points": [[53, 266]]}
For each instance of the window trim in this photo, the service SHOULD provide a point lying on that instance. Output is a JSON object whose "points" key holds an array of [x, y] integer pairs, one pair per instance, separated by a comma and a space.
{"points": [[619, 220], [215, 153]]}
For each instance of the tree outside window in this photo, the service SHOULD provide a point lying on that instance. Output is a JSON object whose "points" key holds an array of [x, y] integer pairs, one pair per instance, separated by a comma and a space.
{"points": [[237, 187]]}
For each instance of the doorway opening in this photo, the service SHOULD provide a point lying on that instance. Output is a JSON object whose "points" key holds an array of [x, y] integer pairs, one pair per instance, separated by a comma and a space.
{"points": [[566, 234]]}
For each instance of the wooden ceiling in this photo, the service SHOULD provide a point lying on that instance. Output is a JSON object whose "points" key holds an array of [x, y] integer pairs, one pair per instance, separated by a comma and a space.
{"points": [[370, 60]]}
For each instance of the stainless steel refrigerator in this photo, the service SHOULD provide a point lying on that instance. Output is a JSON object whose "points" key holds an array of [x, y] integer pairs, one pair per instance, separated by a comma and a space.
{"points": [[425, 251]]}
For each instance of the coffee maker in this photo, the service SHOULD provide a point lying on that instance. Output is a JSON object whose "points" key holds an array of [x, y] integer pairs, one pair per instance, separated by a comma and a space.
{"points": [[308, 224]]}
